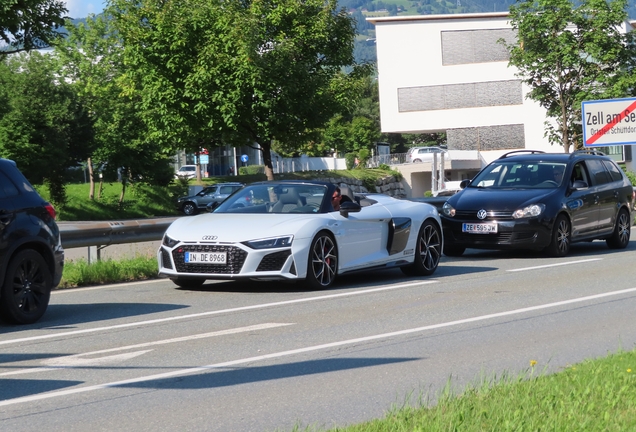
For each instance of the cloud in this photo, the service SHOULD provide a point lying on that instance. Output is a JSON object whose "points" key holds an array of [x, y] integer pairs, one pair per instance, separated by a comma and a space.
{"points": [[81, 8]]}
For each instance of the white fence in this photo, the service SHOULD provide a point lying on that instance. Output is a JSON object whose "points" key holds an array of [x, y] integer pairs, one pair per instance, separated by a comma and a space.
{"points": [[305, 163]]}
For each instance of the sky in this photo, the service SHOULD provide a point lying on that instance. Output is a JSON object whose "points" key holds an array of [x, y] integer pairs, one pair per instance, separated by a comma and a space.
{"points": [[81, 8]]}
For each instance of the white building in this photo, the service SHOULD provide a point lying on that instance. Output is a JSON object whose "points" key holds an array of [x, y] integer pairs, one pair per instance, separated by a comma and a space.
{"points": [[449, 73]]}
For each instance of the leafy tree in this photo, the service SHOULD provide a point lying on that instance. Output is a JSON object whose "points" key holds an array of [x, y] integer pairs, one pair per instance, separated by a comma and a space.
{"points": [[238, 72], [92, 61], [570, 52], [44, 127], [29, 24]]}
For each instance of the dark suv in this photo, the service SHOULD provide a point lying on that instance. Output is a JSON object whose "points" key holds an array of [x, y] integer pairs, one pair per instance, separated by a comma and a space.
{"points": [[31, 253], [191, 205], [542, 201]]}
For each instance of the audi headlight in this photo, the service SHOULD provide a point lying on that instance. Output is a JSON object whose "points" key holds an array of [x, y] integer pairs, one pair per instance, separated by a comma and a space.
{"points": [[274, 242], [533, 210], [448, 209], [170, 242]]}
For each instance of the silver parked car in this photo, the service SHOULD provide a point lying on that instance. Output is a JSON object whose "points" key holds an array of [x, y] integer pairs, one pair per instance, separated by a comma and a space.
{"points": [[191, 205]]}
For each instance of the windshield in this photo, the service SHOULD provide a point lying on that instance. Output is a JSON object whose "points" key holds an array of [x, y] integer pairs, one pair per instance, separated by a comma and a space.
{"points": [[520, 175], [265, 198]]}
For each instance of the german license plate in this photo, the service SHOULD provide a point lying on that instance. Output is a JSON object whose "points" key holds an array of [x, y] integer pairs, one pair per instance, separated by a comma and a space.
{"points": [[206, 257], [479, 228]]}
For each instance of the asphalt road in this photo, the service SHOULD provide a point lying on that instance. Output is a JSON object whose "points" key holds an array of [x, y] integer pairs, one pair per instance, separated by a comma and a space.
{"points": [[262, 357]]}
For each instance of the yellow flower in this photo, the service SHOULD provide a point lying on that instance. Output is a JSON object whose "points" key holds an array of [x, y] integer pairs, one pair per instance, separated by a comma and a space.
{"points": [[629, 371], [532, 363]]}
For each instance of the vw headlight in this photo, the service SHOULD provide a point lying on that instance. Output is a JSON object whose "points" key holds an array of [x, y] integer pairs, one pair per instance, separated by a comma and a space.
{"points": [[274, 242], [533, 210], [170, 242], [448, 209]]}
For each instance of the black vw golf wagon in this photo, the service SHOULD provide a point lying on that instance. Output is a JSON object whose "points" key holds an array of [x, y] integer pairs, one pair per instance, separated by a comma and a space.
{"points": [[529, 199]]}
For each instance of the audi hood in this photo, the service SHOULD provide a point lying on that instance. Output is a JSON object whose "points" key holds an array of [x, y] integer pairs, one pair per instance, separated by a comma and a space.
{"points": [[226, 227]]}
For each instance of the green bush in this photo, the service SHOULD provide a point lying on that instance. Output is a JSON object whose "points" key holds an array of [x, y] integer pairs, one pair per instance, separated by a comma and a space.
{"points": [[252, 169], [363, 157], [350, 160]]}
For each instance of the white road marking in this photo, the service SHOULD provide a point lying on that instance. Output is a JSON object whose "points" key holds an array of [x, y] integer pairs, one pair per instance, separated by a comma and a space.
{"points": [[79, 360], [216, 312], [189, 371], [555, 265]]}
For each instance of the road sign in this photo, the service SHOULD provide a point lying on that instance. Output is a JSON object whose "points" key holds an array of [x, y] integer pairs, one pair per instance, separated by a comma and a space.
{"points": [[204, 159], [609, 122], [244, 158]]}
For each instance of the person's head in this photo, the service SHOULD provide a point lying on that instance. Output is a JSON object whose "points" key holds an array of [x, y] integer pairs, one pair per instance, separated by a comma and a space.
{"points": [[557, 173], [335, 198]]}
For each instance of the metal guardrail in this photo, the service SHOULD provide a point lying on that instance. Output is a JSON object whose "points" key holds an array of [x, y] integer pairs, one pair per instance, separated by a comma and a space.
{"points": [[105, 233]]}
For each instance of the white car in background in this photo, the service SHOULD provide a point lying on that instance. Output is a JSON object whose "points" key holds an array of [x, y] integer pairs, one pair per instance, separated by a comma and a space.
{"points": [[423, 154], [290, 231], [186, 171]]}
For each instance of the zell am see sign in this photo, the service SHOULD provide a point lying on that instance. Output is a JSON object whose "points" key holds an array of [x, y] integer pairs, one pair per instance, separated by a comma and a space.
{"points": [[609, 122]]}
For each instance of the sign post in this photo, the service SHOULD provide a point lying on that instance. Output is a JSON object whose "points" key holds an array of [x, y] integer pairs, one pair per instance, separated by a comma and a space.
{"points": [[609, 122]]}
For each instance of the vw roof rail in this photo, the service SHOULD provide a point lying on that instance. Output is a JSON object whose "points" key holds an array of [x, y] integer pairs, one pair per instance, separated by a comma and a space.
{"points": [[587, 151], [515, 152]]}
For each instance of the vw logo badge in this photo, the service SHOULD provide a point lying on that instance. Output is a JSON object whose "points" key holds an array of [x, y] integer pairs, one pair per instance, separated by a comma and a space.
{"points": [[209, 237], [481, 214]]}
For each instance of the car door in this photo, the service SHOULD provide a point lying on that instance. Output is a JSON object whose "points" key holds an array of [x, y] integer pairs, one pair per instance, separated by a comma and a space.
{"points": [[607, 218], [606, 194], [362, 237], [582, 202], [206, 196]]}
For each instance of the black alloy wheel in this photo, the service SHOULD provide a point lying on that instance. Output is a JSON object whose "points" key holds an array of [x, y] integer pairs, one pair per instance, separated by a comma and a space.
{"points": [[428, 251], [561, 237], [323, 262], [622, 231], [189, 208], [26, 289]]}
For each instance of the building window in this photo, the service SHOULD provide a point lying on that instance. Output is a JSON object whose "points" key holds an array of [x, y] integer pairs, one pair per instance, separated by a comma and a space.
{"points": [[475, 46], [452, 96]]}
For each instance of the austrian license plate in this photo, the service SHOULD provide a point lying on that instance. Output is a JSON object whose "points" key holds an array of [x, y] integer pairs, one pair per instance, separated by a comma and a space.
{"points": [[479, 228], [206, 257]]}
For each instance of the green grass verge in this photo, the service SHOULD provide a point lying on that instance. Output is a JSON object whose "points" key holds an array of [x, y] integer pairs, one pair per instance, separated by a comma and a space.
{"points": [[595, 395], [81, 273]]}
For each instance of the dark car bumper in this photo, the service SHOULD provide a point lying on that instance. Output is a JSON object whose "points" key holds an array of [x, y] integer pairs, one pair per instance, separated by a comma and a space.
{"points": [[511, 234]]}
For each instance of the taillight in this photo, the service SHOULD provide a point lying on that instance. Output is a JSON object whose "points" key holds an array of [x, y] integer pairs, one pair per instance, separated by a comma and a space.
{"points": [[49, 208]]}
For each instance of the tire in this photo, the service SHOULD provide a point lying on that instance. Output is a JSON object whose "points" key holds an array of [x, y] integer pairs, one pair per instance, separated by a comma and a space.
{"points": [[26, 289], [561, 237], [428, 251], [322, 266], [189, 209], [622, 230], [188, 283], [454, 251]]}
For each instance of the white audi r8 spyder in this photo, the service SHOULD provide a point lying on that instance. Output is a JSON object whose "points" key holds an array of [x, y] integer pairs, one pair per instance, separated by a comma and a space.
{"points": [[289, 230]]}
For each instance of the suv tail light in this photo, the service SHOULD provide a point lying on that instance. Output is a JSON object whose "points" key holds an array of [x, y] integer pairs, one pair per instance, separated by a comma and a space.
{"points": [[49, 208]]}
